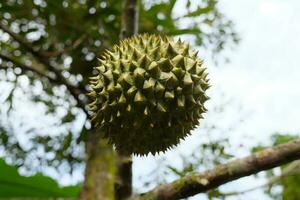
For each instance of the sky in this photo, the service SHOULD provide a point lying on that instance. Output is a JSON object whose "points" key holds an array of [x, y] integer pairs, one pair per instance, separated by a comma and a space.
{"points": [[262, 79]]}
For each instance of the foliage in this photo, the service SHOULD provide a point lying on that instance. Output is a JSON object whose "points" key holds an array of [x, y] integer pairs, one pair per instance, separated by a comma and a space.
{"points": [[290, 180], [49, 48], [13, 185]]}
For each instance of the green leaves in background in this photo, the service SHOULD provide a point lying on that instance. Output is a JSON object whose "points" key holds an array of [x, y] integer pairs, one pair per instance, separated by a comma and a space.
{"points": [[289, 178], [70, 35], [13, 185]]}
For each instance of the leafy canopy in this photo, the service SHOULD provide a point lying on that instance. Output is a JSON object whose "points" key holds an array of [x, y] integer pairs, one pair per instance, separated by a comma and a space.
{"points": [[49, 48]]}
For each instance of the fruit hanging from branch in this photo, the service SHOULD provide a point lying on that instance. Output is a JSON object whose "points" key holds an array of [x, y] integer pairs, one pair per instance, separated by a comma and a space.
{"points": [[149, 92]]}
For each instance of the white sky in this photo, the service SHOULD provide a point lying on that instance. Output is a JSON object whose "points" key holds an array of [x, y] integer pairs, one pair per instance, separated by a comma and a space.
{"points": [[263, 77]]}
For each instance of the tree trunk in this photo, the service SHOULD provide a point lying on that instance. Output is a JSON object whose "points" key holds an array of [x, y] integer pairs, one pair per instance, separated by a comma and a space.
{"points": [[124, 160], [100, 170], [100, 182]]}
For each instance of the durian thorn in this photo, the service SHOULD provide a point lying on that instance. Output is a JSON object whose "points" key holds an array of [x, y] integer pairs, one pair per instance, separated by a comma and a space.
{"points": [[178, 61], [147, 85], [178, 72], [185, 51], [118, 114], [144, 61], [194, 54], [101, 60], [122, 99], [165, 64], [169, 95], [161, 107], [200, 70], [159, 88], [139, 97], [181, 102], [170, 50], [154, 52], [108, 74], [179, 41], [153, 69], [93, 103], [107, 54], [124, 65], [146, 111], [94, 78], [129, 79], [129, 108], [187, 80], [101, 69], [131, 91], [98, 86], [136, 54], [92, 94], [204, 75]]}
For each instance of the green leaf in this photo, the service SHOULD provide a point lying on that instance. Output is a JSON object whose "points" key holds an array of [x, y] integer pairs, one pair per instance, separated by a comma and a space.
{"points": [[13, 185]]}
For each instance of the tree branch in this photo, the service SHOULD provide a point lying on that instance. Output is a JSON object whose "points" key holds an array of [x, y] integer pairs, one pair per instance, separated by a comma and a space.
{"points": [[19, 39], [26, 68], [124, 160], [201, 182], [291, 169], [43, 59]]}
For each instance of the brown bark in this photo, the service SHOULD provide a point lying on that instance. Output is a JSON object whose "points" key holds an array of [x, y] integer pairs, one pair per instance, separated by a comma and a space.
{"points": [[129, 18], [123, 185], [124, 160], [100, 170], [201, 182]]}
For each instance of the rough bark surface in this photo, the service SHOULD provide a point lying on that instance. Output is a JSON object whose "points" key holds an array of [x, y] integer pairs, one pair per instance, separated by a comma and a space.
{"points": [[100, 170], [123, 187], [129, 18], [201, 182]]}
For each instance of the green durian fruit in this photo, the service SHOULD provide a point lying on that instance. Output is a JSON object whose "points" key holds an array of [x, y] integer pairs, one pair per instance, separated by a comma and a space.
{"points": [[148, 94]]}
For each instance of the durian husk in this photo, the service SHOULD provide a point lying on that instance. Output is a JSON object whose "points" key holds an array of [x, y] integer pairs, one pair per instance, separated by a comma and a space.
{"points": [[148, 93]]}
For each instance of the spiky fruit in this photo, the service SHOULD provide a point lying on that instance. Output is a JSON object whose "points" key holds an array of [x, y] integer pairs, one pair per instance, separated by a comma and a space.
{"points": [[148, 94]]}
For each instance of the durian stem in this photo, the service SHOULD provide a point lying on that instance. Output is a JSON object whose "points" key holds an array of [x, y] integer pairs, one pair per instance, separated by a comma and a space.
{"points": [[123, 176], [100, 170], [123, 187], [129, 18]]}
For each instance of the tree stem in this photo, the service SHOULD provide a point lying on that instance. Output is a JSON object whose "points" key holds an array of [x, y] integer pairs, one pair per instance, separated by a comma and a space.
{"points": [[100, 170], [129, 18], [124, 160]]}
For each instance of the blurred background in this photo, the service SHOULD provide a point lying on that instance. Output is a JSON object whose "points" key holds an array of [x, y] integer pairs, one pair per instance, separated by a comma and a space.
{"points": [[251, 51]]}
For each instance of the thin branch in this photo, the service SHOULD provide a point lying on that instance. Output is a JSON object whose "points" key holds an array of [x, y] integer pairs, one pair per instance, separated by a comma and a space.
{"points": [[123, 188], [26, 68], [19, 39], [201, 182], [291, 169], [43, 59]]}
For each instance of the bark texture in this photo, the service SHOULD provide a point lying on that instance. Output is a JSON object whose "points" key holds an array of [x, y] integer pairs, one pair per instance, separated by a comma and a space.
{"points": [[123, 176], [100, 170], [123, 187], [201, 182], [129, 18]]}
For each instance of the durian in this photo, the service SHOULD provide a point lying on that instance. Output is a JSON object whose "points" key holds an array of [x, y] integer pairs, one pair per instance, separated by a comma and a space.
{"points": [[148, 93]]}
